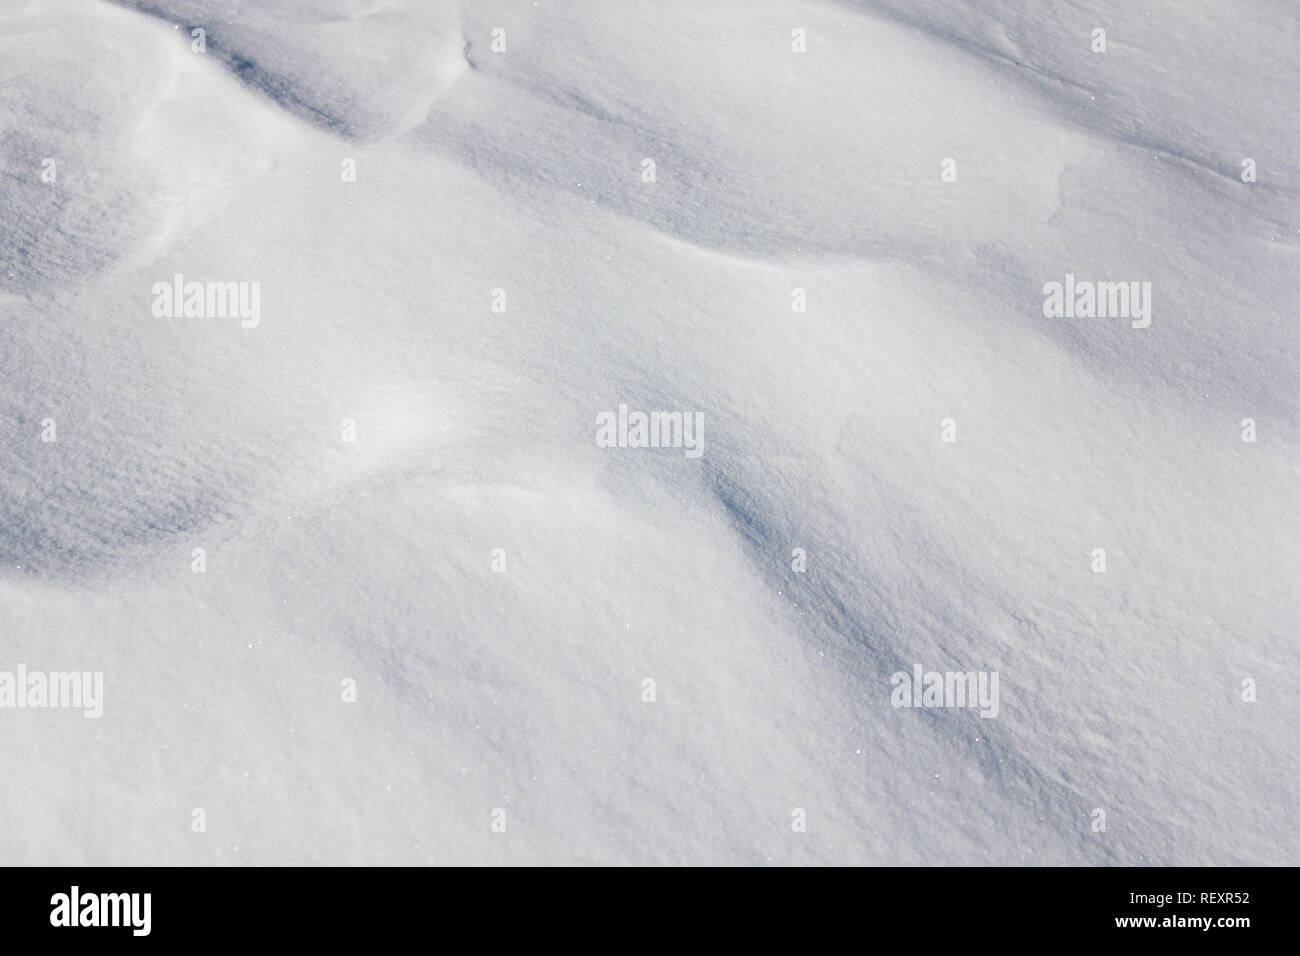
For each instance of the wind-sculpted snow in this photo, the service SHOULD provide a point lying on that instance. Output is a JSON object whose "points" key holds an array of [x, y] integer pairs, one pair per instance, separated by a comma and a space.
{"points": [[354, 67], [498, 584]]}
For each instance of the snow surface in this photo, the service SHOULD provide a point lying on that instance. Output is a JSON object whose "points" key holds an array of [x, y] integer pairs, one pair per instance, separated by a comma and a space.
{"points": [[521, 170]]}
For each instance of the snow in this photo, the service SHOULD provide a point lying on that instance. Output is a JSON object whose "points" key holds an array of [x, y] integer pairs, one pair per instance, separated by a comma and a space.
{"points": [[522, 689]]}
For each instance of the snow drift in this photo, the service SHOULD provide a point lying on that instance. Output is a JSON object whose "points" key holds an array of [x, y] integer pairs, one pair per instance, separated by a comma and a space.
{"points": [[496, 273]]}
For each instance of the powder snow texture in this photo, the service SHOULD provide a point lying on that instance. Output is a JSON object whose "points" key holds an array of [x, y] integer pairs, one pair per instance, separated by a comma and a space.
{"points": [[521, 171]]}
